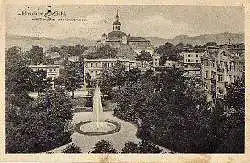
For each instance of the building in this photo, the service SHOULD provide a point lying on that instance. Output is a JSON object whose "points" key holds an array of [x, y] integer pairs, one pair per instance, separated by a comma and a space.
{"points": [[192, 63], [52, 71], [172, 64], [128, 48], [116, 38], [94, 67], [156, 60], [219, 69]]}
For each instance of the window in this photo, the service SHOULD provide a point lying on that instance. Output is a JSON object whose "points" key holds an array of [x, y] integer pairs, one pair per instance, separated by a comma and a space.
{"points": [[197, 61], [220, 78], [91, 64], [197, 56], [226, 66], [221, 63], [188, 55], [213, 75], [206, 87], [213, 65], [188, 60], [206, 74]]}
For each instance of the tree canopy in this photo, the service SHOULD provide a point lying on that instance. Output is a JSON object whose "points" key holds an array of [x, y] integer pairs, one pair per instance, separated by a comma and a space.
{"points": [[33, 125], [167, 52], [39, 126], [103, 146], [105, 51]]}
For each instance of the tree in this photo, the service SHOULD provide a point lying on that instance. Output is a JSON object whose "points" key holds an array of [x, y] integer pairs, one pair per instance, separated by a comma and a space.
{"points": [[71, 77], [235, 97], [170, 98], [72, 148], [210, 44], [19, 79], [231, 121], [41, 83], [167, 52], [144, 57], [179, 47], [103, 146], [105, 51], [130, 147], [142, 147], [36, 55], [112, 77], [40, 126], [88, 80], [147, 147]]}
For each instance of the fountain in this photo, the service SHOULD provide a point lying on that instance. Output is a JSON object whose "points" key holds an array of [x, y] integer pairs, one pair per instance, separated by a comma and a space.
{"points": [[98, 125], [97, 105]]}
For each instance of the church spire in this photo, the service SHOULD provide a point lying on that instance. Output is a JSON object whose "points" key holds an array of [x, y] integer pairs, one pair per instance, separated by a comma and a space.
{"points": [[117, 24], [117, 15]]}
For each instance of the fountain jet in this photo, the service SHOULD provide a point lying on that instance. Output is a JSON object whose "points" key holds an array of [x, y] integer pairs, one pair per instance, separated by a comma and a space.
{"points": [[97, 105]]}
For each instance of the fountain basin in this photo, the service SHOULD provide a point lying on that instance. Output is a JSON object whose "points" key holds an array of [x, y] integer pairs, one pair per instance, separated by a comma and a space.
{"points": [[92, 129]]}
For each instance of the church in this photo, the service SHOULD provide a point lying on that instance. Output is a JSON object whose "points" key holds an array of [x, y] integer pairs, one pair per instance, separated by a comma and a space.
{"points": [[116, 39]]}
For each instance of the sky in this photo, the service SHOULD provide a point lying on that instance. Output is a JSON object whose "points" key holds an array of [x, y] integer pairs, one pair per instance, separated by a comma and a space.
{"points": [[146, 21]]}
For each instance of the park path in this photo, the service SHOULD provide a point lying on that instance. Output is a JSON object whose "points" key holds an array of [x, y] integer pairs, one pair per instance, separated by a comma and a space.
{"points": [[86, 143]]}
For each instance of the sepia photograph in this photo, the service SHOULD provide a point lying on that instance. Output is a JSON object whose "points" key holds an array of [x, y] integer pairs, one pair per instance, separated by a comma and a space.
{"points": [[122, 79]]}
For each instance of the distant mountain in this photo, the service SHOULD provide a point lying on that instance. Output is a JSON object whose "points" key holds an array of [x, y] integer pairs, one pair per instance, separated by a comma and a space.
{"points": [[26, 42], [220, 38], [156, 41]]}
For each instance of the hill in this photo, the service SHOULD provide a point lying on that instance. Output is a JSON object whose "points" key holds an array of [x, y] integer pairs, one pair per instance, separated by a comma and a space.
{"points": [[220, 38], [26, 42]]}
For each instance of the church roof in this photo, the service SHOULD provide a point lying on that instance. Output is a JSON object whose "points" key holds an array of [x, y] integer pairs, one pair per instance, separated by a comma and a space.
{"points": [[116, 34], [137, 39]]}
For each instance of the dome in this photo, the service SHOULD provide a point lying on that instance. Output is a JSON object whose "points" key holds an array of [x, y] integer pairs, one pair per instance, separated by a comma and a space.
{"points": [[116, 34], [116, 22]]}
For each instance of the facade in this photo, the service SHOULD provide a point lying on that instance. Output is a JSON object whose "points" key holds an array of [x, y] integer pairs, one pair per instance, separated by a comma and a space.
{"points": [[156, 60], [96, 66], [171, 64], [192, 63], [219, 69], [52, 71], [117, 38]]}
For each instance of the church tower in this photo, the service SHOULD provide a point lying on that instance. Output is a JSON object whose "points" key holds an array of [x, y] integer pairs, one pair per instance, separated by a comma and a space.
{"points": [[117, 23]]}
